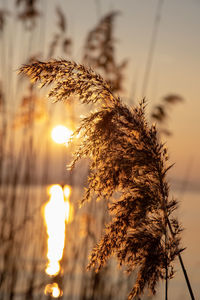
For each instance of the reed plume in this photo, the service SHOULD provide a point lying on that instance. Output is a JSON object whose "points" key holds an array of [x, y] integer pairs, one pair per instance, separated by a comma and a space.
{"points": [[28, 12], [128, 168], [60, 38], [160, 112], [100, 52]]}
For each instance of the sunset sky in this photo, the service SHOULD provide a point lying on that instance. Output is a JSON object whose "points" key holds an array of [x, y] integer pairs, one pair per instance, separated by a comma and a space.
{"points": [[175, 65], [175, 68]]}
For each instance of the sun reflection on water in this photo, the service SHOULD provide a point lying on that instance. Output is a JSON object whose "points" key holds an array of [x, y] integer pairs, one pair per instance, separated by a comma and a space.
{"points": [[57, 212], [53, 290]]}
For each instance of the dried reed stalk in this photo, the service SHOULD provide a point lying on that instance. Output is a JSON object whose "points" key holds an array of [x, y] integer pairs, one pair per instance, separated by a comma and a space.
{"points": [[128, 168], [99, 52]]}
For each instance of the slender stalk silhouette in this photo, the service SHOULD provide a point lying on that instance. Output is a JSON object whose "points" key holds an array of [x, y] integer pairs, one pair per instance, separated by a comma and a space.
{"points": [[152, 46]]}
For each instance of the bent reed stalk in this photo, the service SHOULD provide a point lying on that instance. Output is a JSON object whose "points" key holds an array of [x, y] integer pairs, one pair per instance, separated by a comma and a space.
{"points": [[128, 169]]}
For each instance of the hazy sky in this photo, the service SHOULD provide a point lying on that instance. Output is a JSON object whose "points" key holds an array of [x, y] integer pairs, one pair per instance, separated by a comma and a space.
{"points": [[176, 64], [175, 68]]}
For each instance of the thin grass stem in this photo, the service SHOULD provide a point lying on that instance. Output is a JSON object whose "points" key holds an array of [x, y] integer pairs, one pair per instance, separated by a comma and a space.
{"points": [[182, 265]]}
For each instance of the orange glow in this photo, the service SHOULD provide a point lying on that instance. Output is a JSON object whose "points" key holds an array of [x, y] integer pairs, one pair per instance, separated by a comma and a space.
{"points": [[57, 212], [53, 290], [61, 134]]}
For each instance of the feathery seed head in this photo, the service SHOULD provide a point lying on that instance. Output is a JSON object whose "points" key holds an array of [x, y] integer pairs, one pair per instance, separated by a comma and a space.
{"points": [[128, 158]]}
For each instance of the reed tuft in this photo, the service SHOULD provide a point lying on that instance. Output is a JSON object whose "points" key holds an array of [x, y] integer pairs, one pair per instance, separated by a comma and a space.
{"points": [[128, 168]]}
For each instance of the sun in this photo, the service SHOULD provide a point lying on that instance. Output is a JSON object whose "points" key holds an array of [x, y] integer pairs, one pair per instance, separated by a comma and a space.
{"points": [[61, 134]]}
